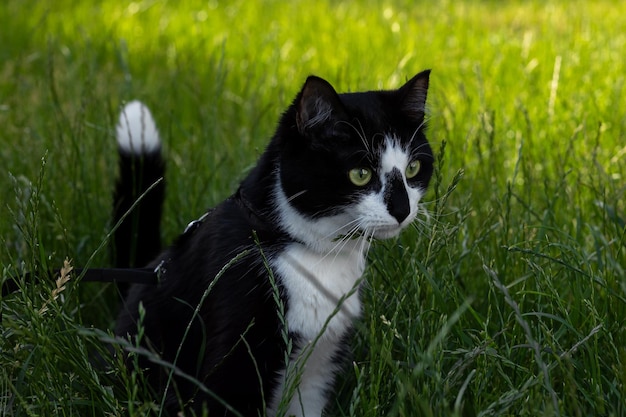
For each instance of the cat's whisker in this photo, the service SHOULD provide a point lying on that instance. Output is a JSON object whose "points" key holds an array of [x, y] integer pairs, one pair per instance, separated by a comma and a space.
{"points": [[426, 223], [422, 145], [335, 251], [442, 213], [439, 199], [421, 125], [343, 241], [360, 133], [417, 153], [420, 223], [356, 232], [363, 137], [296, 195], [334, 233], [379, 149], [366, 242]]}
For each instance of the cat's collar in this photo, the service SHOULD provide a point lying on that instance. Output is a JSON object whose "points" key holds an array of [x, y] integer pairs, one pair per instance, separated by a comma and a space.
{"points": [[257, 220], [264, 227]]}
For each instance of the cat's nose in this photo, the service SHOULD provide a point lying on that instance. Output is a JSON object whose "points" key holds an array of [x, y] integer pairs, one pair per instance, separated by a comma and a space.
{"points": [[396, 196], [399, 208]]}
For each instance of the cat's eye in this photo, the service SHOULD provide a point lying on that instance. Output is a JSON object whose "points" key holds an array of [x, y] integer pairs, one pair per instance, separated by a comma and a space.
{"points": [[412, 169], [360, 176]]}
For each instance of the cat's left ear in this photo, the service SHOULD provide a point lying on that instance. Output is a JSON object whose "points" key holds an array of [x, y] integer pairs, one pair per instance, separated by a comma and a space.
{"points": [[413, 96], [318, 107]]}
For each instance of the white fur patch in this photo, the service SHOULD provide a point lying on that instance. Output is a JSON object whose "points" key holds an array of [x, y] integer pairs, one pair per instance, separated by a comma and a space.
{"points": [[320, 306], [320, 234], [322, 268], [372, 209], [318, 272], [316, 283], [136, 130], [393, 156], [310, 396]]}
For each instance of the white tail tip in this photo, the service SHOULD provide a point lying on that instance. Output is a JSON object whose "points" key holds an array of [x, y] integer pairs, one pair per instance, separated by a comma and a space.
{"points": [[136, 130]]}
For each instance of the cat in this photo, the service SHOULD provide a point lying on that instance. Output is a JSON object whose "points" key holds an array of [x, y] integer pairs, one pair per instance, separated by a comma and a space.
{"points": [[257, 298]]}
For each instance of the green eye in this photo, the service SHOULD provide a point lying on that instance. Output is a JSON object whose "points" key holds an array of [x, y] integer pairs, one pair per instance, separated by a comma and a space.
{"points": [[360, 176], [412, 169]]}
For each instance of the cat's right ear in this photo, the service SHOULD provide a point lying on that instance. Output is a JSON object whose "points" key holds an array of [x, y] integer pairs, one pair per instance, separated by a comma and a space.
{"points": [[318, 107], [413, 96]]}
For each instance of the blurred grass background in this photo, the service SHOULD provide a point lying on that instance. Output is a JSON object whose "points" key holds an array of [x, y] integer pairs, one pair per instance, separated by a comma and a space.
{"points": [[512, 300]]}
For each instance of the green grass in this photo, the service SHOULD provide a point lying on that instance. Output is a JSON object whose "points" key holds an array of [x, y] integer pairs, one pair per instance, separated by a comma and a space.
{"points": [[510, 300]]}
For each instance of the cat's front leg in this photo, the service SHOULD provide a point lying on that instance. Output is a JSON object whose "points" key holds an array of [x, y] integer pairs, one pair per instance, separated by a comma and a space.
{"points": [[316, 367]]}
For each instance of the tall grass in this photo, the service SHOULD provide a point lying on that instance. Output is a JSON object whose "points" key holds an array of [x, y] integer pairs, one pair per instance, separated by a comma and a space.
{"points": [[510, 299]]}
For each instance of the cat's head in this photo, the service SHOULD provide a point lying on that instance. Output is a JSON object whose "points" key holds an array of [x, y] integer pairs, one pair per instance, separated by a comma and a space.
{"points": [[354, 164]]}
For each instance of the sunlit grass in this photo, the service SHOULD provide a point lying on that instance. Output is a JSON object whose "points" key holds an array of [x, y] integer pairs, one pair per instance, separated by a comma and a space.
{"points": [[510, 300]]}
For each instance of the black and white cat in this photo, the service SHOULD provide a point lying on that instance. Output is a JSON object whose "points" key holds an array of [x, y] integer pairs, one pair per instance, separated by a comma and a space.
{"points": [[258, 297]]}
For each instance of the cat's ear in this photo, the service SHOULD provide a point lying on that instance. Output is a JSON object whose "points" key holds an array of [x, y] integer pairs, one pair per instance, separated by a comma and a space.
{"points": [[318, 107], [413, 96]]}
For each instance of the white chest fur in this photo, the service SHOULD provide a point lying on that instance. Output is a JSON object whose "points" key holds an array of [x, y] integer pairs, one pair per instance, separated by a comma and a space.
{"points": [[321, 289], [322, 302], [320, 273]]}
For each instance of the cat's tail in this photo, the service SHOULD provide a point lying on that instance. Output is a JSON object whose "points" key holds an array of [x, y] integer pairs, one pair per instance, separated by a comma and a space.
{"points": [[140, 189]]}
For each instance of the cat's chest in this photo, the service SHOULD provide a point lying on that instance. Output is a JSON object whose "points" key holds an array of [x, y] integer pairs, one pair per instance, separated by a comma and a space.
{"points": [[322, 289]]}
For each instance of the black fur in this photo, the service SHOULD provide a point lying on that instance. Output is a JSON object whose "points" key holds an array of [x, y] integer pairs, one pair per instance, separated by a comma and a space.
{"points": [[138, 237], [237, 337]]}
